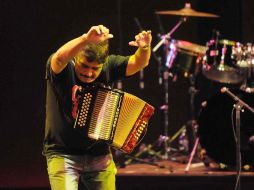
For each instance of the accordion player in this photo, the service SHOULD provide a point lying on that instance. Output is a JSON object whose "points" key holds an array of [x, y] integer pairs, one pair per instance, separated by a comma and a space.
{"points": [[116, 117]]}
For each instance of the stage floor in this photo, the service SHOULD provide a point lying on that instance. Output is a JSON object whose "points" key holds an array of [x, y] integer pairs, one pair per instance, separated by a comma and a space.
{"points": [[173, 175], [162, 168], [162, 175]]}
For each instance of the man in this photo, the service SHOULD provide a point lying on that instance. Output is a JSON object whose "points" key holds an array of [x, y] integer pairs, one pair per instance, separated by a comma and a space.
{"points": [[73, 160]]}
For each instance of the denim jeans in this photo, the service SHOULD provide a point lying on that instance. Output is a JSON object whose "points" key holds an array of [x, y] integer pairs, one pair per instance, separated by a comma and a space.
{"points": [[72, 172]]}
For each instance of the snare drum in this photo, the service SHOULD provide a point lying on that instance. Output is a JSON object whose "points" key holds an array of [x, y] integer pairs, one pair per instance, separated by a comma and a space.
{"points": [[183, 56]]}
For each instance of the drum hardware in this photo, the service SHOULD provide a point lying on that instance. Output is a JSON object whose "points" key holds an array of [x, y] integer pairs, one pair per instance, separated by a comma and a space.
{"points": [[187, 11], [184, 57], [219, 64], [244, 56], [188, 64], [163, 140], [193, 152], [159, 150], [223, 74], [147, 149], [187, 46], [165, 79], [178, 48], [167, 36], [192, 126]]}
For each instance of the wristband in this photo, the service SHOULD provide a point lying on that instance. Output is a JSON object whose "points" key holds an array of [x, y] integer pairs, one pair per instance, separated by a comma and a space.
{"points": [[146, 47]]}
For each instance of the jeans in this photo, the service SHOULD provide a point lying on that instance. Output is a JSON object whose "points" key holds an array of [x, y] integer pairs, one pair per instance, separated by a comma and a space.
{"points": [[75, 172]]}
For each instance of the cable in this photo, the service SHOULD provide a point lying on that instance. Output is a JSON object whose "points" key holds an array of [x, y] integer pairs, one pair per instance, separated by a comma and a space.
{"points": [[233, 125]]}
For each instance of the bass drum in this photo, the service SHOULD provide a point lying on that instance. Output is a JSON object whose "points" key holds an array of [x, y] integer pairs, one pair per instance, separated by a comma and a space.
{"points": [[217, 125]]}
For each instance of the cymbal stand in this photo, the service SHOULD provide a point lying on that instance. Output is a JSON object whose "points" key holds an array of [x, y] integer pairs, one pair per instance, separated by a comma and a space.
{"points": [[165, 111], [168, 35], [166, 75], [192, 91]]}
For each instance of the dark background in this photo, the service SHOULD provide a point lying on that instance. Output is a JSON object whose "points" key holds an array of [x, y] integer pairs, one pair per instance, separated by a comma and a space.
{"points": [[31, 30]]}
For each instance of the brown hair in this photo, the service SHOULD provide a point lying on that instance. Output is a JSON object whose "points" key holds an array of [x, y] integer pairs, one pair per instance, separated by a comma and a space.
{"points": [[96, 52]]}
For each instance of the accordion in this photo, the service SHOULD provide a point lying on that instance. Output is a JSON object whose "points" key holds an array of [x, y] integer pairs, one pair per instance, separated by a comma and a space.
{"points": [[116, 117]]}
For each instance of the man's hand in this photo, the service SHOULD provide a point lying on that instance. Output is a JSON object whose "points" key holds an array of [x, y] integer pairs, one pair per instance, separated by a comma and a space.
{"points": [[97, 34], [140, 59], [142, 40]]}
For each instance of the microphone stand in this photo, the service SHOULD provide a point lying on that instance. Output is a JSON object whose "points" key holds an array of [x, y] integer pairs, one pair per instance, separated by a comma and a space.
{"points": [[238, 107], [238, 142]]}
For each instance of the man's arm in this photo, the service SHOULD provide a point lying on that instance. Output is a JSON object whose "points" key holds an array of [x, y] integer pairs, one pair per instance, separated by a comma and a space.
{"points": [[96, 34], [140, 59]]}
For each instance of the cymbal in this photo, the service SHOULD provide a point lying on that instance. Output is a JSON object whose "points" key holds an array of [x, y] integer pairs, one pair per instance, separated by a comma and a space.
{"points": [[223, 74], [187, 11]]}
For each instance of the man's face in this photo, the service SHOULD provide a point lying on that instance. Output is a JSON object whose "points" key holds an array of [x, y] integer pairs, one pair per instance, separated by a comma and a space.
{"points": [[86, 71]]}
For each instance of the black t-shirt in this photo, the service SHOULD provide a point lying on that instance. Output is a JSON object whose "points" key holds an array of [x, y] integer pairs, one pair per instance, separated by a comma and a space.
{"points": [[60, 135]]}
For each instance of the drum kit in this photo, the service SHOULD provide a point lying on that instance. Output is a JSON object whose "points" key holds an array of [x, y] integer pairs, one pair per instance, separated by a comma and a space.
{"points": [[223, 62]]}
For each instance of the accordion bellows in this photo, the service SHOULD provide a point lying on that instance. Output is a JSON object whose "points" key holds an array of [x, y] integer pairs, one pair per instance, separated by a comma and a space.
{"points": [[114, 116]]}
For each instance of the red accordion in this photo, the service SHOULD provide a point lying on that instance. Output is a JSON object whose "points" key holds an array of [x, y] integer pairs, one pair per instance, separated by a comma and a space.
{"points": [[114, 116]]}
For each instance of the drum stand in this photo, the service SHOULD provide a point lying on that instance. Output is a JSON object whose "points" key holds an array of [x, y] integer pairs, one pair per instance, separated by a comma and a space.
{"points": [[164, 154], [192, 124], [165, 111], [166, 74], [164, 139]]}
